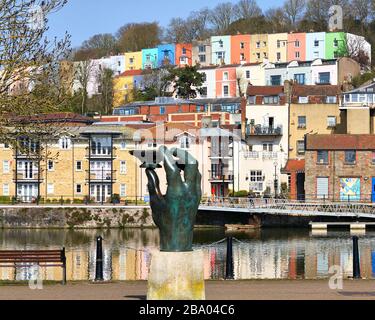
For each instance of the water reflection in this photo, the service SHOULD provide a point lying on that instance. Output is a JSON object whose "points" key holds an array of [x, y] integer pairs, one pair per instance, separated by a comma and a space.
{"points": [[266, 254]]}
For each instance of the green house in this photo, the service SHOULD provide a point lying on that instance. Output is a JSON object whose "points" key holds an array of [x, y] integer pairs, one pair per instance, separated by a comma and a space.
{"points": [[336, 45]]}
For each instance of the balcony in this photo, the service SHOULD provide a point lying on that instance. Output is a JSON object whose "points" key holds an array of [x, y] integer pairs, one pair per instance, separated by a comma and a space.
{"points": [[99, 176], [259, 130], [252, 155], [103, 153], [21, 176], [218, 176], [268, 155], [264, 155]]}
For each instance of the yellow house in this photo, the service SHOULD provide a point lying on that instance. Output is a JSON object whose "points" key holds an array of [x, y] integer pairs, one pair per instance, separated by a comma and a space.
{"points": [[74, 165], [133, 60], [123, 86], [313, 110], [278, 47], [258, 48]]}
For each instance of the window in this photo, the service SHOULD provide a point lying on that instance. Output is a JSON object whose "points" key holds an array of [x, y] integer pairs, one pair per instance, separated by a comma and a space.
{"points": [[299, 78], [78, 165], [256, 181], [225, 75], [183, 50], [220, 55], [6, 145], [123, 190], [242, 45], [303, 99], [258, 44], [202, 58], [251, 99], [316, 43], [350, 156], [271, 100], [221, 44], [316, 54], [268, 147], [324, 77], [242, 57], [204, 92], [131, 60], [278, 56], [247, 74], [204, 76], [202, 49], [265, 55], [123, 145], [123, 168], [331, 99], [65, 143], [6, 166], [331, 121], [51, 165], [5, 189], [322, 157], [50, 188], [278, 43], [162, 110], [226, 91], [297, 44], [79, 188], [355, 97], [335, 54], [264, 43], [185, 143], [335, 43], [276, 80], [258, 55], [301, 146], [302, 122], [297, 54]]}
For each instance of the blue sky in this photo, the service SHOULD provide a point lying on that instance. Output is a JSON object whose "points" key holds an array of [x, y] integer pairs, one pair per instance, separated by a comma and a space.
{"points": [[84, 18]]}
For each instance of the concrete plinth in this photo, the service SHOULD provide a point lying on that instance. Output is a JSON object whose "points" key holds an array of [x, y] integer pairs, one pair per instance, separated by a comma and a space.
{"points": [[176, 276]]}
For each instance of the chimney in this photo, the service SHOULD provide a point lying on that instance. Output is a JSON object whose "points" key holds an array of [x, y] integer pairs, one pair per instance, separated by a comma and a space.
{"points": [[288, 85], [243, 116]]}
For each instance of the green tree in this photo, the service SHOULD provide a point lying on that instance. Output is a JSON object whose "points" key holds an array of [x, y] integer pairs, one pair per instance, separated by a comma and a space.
{"points": [[187, 82]]}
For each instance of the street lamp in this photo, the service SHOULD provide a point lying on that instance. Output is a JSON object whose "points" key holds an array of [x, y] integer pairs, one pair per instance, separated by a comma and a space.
{"points": [[276, 181]]}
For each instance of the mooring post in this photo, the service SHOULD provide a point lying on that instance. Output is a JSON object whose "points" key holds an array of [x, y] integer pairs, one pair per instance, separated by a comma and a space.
{"points": [[229, 272], [99, 259], [356, 260]]}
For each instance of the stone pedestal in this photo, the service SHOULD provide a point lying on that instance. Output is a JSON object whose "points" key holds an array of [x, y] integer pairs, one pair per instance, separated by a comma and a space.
{"points": [[176, 276]]}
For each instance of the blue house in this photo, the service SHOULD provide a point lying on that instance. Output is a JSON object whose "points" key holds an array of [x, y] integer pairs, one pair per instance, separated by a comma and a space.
{"points": [[150, 58], [166, 54]]}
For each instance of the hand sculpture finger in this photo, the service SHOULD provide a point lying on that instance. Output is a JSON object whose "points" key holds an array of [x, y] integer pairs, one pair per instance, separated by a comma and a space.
{"points": [[170, 166], [153, 184], [191, 164]]}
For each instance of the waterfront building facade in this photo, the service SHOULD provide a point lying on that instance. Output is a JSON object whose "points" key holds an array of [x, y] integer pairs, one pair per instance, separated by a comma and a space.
{"points": [[133, 60], [221, 50]]}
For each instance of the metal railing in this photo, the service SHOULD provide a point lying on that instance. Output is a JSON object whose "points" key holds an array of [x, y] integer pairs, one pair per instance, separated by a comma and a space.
{"points": [[221, 176], [264, 130]]}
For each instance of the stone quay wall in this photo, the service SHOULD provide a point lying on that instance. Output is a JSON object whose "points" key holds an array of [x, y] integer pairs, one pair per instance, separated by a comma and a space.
{"points": [[75, 217]]}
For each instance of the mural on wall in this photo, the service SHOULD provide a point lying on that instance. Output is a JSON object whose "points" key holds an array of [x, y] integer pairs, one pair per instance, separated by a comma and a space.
{"points": [[350, 189]]}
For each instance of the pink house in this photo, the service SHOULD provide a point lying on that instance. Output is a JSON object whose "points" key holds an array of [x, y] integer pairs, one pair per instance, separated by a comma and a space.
{"points": [[226, 81], [296, 47]]}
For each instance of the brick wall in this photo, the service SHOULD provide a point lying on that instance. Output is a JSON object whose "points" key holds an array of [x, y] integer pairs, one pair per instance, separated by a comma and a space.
{"points": [[337, 169]]}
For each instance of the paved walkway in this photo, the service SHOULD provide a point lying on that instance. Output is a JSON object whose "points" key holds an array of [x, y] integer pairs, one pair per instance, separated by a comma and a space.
{"points": [[215, 290]]}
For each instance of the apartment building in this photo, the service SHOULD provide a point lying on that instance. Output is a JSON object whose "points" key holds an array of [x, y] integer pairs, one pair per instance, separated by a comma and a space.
{"points": [[221, 50], [133, 60], [202, 53], [266, 132]]}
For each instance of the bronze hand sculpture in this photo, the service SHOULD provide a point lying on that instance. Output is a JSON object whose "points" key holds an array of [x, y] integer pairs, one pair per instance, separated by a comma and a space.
{"points": [[175, 213]]}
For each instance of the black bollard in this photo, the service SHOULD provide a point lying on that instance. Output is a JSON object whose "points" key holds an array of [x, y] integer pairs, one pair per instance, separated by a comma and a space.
{"points": [[356, 261], [99, 259], [229, 272]]}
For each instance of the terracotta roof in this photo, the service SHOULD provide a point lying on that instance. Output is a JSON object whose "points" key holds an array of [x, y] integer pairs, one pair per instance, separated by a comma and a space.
{"points": [[249, 64], [340, 142], [130, 73], [294, 165], [317, 90], [264, 90], [169, 131]]}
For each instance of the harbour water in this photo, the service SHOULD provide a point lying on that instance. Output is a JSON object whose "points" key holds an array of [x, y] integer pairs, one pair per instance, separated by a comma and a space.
{"points": [[258, 254]]}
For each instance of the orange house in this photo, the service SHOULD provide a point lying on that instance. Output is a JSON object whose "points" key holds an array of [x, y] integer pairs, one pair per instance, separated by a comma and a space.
{"points": [[296, 47], [226, 81], [184, 54], [240, 48]]}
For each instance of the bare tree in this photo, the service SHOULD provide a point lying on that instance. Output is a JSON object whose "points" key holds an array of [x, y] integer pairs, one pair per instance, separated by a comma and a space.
{"points": [[30, 61], [276, 19], [246, 9], [222, 16], [361, 9], [294, 10]]}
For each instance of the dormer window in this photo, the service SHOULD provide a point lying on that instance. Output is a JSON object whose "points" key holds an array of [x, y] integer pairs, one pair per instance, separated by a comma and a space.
{"points": [[65, 143], [185, 142]]}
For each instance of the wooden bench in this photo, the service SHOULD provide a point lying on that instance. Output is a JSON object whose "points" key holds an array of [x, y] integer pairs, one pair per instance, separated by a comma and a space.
{"points": [[42, 258]]}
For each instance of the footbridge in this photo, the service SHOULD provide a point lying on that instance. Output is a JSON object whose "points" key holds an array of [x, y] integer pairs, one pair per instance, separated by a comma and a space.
{"points": [[288, 207]]}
